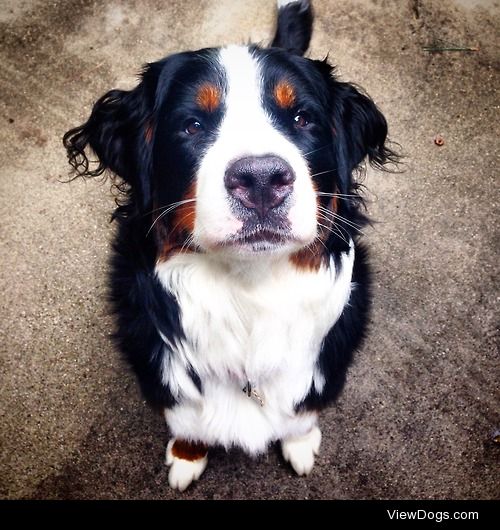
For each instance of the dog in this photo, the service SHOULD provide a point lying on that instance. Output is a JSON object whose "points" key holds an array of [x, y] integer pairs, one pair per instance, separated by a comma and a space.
{"points": [[238, 282]]}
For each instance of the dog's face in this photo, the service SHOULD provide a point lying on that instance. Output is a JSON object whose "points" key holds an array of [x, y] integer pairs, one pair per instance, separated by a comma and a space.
{"points": [[235, 132], [237, 150]]}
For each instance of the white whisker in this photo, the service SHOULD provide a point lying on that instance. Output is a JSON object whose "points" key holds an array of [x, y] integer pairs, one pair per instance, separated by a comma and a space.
{"points": [[340, 218], [187, 242], [315, 150], [340, 195], [170, 207], [348, 223], [319, 239], [335, 229], [322, 172]]}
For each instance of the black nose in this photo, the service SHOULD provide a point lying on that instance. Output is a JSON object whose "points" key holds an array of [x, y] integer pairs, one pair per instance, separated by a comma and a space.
{"points": [[260, 183]]}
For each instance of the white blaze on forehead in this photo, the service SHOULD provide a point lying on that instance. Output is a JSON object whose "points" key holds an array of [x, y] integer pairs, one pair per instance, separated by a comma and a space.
{"points": [[246, 123], [246, 130]]}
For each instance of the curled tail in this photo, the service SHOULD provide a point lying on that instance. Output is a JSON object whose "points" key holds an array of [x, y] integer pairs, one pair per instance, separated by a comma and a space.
{"points": [[294, 27]]}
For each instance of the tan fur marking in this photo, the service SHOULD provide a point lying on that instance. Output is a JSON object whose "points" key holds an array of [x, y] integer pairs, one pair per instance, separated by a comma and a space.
{"points": [[311, 258], [183, 216], [284, 94], [173, 238], [334, 203], [208, 97], [190, 451], [148, 132], [308, 259]]}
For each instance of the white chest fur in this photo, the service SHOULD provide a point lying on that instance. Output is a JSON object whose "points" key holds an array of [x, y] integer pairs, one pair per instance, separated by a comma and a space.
{"points": [[262, 322]]}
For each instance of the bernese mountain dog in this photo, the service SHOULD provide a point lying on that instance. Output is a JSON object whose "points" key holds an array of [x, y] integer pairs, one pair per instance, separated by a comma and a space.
{"points": [[238, 283]]}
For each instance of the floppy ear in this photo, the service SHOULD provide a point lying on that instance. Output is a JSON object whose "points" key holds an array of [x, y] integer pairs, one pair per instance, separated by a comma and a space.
{"points": [[118, 132], [360, 129]]}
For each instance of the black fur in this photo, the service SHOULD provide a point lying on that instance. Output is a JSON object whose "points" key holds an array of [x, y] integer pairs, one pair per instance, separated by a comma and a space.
{"points": [[138, 135], [142, 307], [115, 132], [344, 338], [344, 119], [294, 27]]}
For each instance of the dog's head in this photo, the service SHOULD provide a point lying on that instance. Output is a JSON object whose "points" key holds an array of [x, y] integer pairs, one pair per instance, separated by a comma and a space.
{"points": [[239, 150]]}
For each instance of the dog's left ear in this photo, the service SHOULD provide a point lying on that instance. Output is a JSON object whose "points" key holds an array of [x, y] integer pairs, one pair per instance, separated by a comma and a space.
{"points": [[363, 127], [360, 129]]}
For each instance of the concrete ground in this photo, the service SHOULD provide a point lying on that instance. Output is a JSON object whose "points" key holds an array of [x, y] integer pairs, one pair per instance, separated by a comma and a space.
{"points": [[420, 409]]}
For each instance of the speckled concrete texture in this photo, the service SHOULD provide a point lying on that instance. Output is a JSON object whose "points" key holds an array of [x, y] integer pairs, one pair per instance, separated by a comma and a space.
{"points": [[420, 407]]}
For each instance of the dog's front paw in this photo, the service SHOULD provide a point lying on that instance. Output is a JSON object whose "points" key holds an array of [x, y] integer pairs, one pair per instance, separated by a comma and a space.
{"points": [[300, 451], [185, 466]]}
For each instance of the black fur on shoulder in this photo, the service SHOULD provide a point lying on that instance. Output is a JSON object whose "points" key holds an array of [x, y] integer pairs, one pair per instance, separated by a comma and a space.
{"points": [[143, 308], [344, 338], [294, 27], [119, 131]]}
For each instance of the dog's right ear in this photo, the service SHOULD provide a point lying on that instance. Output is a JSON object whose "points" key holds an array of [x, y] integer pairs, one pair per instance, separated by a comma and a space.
{"points": [[119, 132]]}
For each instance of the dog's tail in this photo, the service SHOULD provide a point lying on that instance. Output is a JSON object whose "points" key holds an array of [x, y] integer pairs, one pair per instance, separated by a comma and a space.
{"points": [[294, 28]]}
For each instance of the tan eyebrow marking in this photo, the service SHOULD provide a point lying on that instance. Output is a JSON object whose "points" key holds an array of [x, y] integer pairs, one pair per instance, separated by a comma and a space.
{"points": [[284, 94], [208, 97]]}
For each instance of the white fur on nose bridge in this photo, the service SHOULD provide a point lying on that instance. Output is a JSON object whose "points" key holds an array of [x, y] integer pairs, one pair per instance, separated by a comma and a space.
{"points": [[246, 126]]}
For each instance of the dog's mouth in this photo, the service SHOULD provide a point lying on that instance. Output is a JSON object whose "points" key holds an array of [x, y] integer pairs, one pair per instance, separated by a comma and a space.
{"points": [[259, 239]]}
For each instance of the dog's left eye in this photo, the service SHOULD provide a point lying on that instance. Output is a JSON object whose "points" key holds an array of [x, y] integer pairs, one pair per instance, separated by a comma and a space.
{"points": [[193, 127], [301, 119]]}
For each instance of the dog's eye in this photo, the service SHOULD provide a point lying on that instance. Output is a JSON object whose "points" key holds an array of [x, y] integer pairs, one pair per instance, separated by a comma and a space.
{"points": [[193, 127], [301, 119]]}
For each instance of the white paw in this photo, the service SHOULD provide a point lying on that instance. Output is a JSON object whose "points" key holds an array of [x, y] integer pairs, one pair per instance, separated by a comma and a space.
{"points": [[183, 472], [300, 451]]}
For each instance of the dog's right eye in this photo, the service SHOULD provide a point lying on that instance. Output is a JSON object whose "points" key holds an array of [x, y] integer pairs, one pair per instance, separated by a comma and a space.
{"points": [[302, 119], [193, 127]]}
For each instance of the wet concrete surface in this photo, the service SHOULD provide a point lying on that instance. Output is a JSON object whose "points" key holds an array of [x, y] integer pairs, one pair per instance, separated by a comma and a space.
{"points": [[420, 407]]}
